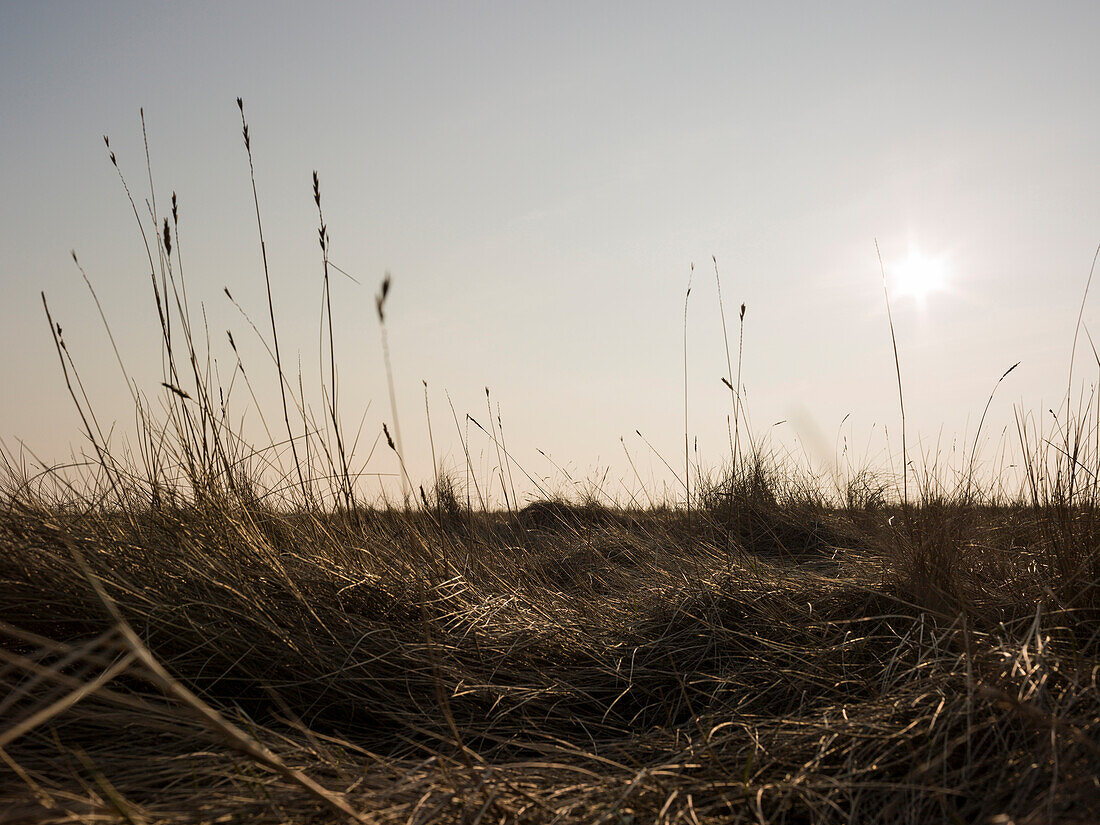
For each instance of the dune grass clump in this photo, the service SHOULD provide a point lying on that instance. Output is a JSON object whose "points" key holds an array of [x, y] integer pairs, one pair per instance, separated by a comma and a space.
{"points": [[198, 633]]}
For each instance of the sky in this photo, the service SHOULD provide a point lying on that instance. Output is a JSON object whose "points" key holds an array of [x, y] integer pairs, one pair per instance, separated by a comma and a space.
{"points": [[539, 180]]}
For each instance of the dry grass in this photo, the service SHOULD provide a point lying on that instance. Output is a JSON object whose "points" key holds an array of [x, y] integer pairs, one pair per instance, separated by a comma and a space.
{"points": [[196, 638], [551, 672]]}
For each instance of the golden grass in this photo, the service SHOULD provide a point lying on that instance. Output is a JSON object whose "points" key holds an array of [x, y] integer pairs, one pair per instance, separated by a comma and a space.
{"points": [[193, 638]]}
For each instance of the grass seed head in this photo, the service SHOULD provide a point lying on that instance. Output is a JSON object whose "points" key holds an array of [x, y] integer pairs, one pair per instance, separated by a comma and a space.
{"points": [[380, 298]]}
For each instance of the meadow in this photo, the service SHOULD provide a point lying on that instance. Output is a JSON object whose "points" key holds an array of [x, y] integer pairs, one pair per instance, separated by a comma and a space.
{"points": [[209, 630]]}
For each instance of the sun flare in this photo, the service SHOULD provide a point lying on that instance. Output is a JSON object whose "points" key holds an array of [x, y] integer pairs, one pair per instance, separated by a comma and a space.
{"points": [[919, 275]]}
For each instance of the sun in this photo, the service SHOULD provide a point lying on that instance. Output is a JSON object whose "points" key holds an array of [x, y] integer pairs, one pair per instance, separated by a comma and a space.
{"points": [[919, 275]]}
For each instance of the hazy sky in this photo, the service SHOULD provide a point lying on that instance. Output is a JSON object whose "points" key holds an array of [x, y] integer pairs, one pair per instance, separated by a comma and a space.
{"points": [[539, 179]]}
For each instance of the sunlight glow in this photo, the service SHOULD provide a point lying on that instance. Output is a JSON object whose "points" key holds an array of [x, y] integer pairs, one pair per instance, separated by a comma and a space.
{"points": [[919, 275]]}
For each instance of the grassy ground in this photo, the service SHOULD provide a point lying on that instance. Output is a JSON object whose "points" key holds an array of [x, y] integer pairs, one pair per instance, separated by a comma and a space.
{"points": [[563, 664]]}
